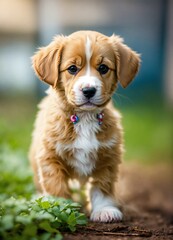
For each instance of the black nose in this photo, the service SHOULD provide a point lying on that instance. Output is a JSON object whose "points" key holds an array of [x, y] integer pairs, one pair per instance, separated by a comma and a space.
{"points": [[89, 92]]}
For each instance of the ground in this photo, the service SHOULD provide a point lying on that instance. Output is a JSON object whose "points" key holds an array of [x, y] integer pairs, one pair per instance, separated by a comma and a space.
{"points": [[146, 195]]}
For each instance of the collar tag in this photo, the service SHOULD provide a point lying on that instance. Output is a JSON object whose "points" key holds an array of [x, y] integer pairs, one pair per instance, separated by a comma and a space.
{"points": [[75, 119], [100, 118]]}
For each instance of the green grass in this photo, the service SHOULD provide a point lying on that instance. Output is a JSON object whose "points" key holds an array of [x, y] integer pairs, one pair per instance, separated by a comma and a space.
{"points": [[148, 132], [16, 122]]}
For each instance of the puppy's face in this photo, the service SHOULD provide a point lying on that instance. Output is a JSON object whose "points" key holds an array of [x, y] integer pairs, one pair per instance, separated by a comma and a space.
{"points": [[87, 66], [88, 71]]}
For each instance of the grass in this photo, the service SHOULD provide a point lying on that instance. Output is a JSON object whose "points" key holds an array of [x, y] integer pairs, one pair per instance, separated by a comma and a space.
{"points": [[148, 132], [16, 122]]}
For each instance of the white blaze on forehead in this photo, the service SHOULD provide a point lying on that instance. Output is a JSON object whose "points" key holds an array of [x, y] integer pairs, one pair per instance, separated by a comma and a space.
{"points": [[88, 80], [88, 54]]}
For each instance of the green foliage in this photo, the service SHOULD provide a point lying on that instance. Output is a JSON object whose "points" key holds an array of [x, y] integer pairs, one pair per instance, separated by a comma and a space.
{"points": [[42, 218], [16, 122], [25, 219], [148, 132], [16, 176]]}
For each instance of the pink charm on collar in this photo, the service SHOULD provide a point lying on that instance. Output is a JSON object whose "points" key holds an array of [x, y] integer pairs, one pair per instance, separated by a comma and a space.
{"points": [[100, 118], [74, 118]]}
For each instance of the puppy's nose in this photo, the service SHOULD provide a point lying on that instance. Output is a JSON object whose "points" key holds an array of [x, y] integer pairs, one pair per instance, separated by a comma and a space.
{"points": [[89, 92]]}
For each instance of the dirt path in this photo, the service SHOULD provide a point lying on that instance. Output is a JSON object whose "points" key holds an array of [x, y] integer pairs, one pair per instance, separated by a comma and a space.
{"points": [[147, 196]]}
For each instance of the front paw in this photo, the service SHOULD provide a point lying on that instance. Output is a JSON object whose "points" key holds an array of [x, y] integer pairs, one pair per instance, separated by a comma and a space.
{"points": [[107, 214]]}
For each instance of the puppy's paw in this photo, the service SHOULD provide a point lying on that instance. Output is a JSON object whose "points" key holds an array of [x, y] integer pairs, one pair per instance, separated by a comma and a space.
{"points": [[107, 214]]}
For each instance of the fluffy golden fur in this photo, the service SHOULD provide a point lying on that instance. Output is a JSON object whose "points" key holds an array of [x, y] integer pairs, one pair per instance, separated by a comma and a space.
{"points": [[62, 150]]}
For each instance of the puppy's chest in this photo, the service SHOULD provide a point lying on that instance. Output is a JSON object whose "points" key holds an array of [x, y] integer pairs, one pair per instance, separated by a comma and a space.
{"points": [[82, 153]]}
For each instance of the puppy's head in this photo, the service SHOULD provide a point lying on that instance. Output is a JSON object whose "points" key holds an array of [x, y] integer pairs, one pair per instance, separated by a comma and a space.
{"points": [[86, 66]]}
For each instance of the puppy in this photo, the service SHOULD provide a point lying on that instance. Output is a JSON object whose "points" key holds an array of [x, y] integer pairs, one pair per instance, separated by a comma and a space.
{"points": [[78, 134]]}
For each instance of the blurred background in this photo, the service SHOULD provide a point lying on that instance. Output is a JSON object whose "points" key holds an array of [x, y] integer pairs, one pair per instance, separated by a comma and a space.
{"points": [[146, 105]]}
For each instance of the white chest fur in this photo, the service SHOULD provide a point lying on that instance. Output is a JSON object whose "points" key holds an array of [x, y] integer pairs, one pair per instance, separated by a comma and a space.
{"points": [[85, 147], [86, 144]]}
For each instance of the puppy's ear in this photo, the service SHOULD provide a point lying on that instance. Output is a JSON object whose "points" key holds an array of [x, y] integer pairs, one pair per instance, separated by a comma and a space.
{"points": [[128, 61], [47, 60]]}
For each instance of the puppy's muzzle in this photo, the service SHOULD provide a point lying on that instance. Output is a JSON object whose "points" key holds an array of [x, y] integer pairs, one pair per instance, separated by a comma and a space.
{"points": [[89, 92]]}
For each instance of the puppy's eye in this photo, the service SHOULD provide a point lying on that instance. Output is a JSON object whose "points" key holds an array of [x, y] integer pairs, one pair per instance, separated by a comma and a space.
{"points": [[103, 69], [72, 69]]}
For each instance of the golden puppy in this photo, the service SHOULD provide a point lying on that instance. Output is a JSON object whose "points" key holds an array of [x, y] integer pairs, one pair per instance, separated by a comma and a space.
{"points": [[77, 133]]}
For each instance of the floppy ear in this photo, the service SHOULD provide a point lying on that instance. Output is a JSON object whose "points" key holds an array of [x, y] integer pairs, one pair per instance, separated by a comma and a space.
{"points": [[47, 60], [128, 61]]}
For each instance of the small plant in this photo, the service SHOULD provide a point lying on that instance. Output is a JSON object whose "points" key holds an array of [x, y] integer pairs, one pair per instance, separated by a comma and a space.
{"points": [[24, 219], [43, 218]]}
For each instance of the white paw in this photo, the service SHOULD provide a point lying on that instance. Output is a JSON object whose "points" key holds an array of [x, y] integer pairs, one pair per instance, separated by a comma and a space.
{"points": [[107, 214]]}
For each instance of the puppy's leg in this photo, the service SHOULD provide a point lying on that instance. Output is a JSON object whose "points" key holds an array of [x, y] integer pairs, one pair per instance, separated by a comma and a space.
{"points": [[104, 207], [53, 177]]}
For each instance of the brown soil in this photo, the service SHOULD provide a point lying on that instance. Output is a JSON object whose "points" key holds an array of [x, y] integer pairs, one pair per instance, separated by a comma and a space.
{"points": [[146, 195]]}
